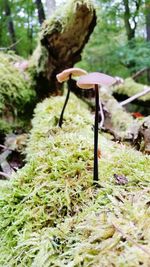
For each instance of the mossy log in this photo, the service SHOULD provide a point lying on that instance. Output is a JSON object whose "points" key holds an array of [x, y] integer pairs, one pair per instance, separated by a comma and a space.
{"points": [[61, 42], [52, 215]]}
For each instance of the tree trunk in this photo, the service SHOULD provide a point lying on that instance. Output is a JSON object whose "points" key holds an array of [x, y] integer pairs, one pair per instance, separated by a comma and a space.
{"points": [[11, 29], [30, 30], [41, 13], [127, 16], [61, 44]]}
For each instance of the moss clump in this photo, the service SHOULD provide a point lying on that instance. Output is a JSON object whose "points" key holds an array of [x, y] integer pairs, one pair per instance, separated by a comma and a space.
{"points": [[16, 94], [130, 88], [51, 215]]}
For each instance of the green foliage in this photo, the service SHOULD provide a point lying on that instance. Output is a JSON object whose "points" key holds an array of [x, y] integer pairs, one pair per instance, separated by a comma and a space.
{"points": [[108, 50], [51, 215], [137, 51], [101, 52], [26, 25]]}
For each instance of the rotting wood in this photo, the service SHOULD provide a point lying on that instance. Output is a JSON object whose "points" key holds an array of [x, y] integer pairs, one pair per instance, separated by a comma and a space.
{"points": [[62, 40]]}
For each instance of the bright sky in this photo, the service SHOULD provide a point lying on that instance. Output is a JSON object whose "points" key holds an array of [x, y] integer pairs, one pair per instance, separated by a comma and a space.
{"points": [[58, 2]]}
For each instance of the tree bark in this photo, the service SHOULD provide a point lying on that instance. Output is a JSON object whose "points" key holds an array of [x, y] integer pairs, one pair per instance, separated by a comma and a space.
{"points": [[41, 13]]}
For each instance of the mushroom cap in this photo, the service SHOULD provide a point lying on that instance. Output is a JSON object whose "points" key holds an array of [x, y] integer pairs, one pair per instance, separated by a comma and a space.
{"points": [[64, 75], [88, 81]]}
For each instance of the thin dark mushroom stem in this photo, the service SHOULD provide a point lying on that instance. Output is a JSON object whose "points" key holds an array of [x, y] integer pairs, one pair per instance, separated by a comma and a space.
{"points": [[95, 178], [65, 104]]}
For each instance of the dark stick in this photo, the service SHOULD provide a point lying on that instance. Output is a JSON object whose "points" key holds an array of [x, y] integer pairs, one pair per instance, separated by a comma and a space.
{"points": [[95, 178], [66, 101]]}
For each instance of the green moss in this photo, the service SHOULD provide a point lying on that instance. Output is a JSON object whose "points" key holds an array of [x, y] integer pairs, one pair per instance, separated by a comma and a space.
{"points": [[51, 215], [38, 60], [130, 88], [16, 94]]}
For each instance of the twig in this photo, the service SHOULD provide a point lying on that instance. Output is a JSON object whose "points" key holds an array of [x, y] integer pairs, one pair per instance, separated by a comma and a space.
{"points": [[130, 239], [5, 175], [6, 148], [11, 46], [132, 98], [2, 146], [139, 73]]}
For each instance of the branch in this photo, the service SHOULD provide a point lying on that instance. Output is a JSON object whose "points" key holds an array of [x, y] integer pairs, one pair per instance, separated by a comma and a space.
{"points": [[11, 46], [132, 98], [139, 73], [5, 175]]}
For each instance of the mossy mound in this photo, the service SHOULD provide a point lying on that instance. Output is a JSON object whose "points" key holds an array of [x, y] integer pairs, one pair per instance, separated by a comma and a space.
{"points": [[52, 215], [17, 97]]}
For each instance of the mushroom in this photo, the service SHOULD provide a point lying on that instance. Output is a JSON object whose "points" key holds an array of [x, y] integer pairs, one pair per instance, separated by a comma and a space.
{"points": [[95, 79], [65, 76]]}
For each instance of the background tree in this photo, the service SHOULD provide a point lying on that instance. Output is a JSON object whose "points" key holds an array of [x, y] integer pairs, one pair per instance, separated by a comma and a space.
{"points": [[24, 16], [10, 23], [41, 13]]}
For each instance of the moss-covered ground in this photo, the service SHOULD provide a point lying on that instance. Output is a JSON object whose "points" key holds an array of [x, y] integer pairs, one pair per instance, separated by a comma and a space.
{"points": [[52, 215]]}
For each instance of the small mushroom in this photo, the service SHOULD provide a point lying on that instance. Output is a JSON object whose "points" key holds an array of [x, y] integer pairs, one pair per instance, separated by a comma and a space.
{"points": [[65, 76], [95, 79]]}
